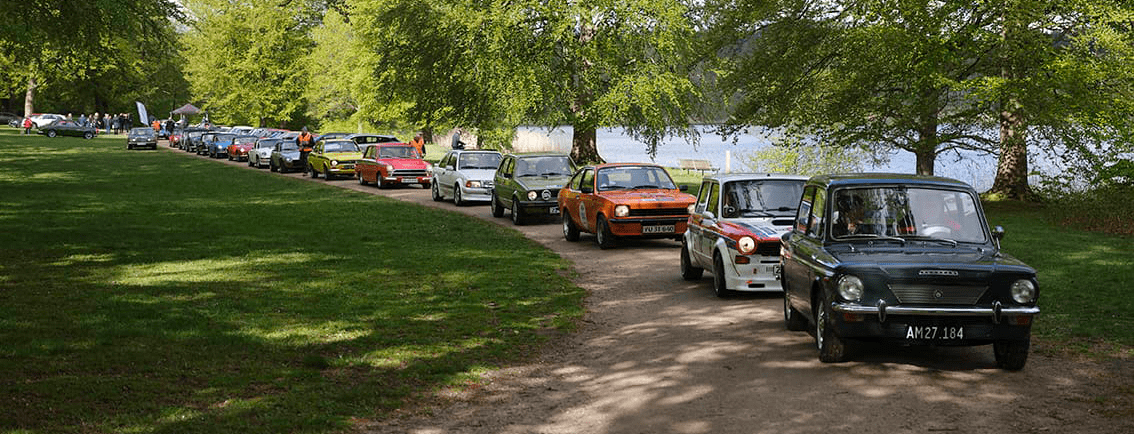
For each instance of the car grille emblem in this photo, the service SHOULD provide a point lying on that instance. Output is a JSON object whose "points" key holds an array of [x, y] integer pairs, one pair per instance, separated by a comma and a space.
{"points": [[937, 294], [546, 195]]}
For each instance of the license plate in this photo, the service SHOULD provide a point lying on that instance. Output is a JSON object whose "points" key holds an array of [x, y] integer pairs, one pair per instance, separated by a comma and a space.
{"points": [[409, 180], [773, 270], [553, 210], [937, 333], [660, 229]]}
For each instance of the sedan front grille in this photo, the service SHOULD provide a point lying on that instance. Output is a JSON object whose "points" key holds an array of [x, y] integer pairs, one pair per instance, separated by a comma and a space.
{"points": [[409, 173], [652, 212], [937, 294]]}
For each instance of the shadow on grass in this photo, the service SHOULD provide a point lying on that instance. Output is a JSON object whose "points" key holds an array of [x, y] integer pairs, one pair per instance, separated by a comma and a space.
{"points": [[148, 292]]}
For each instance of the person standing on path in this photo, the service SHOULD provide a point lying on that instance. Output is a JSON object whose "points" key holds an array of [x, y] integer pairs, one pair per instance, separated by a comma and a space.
{"points": [[419, 143]]}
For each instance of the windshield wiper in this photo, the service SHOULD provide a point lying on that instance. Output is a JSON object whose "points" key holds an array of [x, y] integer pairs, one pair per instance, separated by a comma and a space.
{"points": [[644, 186], [555, 174], [612, 187], [925, 238], [755, 213], [873, 237]]}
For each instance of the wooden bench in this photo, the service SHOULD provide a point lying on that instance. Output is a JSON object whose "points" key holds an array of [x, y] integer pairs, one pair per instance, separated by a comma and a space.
{"points": [[700, 165]]}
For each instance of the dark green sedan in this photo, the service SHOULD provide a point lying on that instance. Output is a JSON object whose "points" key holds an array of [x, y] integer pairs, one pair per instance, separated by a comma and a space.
{"points": [[528, 185], [64, 127]]}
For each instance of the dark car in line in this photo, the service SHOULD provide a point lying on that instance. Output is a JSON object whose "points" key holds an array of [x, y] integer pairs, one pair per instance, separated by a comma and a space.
{"points": [[67, 128], [528, 185], [141, 137], [285, 158], [903, 259]]}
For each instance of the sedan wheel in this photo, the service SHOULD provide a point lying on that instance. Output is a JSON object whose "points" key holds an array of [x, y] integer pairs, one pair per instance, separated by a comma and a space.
{"points": [[327, 173], [792, 319], [831, 347], [51, 133], [603, 237], [1011, 355], [88, 135], [497, 208], [688, 271], [360, 180], [517, 213], [719, 285], [435, 191], [570, 231], [457, 196]]}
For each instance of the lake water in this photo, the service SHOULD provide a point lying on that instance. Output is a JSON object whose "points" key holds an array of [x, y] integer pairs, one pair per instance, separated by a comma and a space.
{"points": [[614, 145]]}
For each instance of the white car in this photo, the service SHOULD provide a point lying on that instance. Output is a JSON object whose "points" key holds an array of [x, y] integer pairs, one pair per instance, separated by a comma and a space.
{"points": [[260, 156], [735, 229], [465, 175], [43, 119]]}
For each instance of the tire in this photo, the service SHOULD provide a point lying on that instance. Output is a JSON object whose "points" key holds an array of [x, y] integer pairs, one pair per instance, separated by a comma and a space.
{"points": [[497, 208], [1011, 355], [88, 135], [793, 321], [363, 181], [327, 176], [435, 191], [457, 195], [832, 348], [130, 146], [51, 133], [603, 237], [272, 167], [311, 171], [517, 213], [570, 231], [720, 288], [688, 271]]}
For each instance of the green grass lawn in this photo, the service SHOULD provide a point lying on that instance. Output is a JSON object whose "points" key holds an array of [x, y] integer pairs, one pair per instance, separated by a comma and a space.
{"points": [[152, 292]]}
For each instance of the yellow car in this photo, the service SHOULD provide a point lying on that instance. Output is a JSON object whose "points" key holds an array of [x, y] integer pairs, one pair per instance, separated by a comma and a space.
{"points": [[333, 158]]}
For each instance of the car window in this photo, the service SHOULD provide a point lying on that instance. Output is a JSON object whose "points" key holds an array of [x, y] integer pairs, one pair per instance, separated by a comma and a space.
{"points": [[478, 160], [703, 196], [506, 166], [340, 146], [803, 214], [761, 198], [398, 152], [909, 213], [818, 204], [553, 165], [633, 177], [576, 181], [714, 198], [588, 179]]}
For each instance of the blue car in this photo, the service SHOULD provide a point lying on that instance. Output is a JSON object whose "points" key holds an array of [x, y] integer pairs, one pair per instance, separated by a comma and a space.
{"points": [[218, 147]]}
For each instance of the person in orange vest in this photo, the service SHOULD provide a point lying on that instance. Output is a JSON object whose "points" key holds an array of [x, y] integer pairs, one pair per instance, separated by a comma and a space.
{"points": [[305, 141], [418, 143], [155, 125]]}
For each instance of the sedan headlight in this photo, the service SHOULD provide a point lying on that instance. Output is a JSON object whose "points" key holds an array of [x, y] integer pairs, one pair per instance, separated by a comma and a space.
{"points": [[850, 288], [389, 168], [1024, 291], [690, 209], [472, 184], [621, 211], [746, 245], [532, 195], [334, 162]]}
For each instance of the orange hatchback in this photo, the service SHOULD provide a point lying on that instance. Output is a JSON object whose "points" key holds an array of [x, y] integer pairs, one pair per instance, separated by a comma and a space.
{"points": [[620, 200]]}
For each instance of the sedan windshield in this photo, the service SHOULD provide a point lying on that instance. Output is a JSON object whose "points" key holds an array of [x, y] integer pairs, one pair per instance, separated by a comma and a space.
{"points": [[398, 152], [761, 198], [907, 213], [479, 160], [340, 146], [634, 177], [543, 166]]}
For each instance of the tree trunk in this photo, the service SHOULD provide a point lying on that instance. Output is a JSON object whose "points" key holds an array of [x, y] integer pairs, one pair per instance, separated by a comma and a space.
{"points": [[427, 134], [584, 148], [29, 97], [926, 146], [1012, 167]]}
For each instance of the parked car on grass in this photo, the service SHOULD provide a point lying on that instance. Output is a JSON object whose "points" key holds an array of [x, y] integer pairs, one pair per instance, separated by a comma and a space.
{"points": [[141, 137], [903, 259], [67, 128], [285, 157], [734, 231], [392, 164], [43, 119], [465, 175], [528, 185], [333, 158], [624, 200]]}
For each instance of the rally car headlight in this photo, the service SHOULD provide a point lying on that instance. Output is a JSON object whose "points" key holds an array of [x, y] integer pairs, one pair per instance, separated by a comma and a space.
{"points": [[334, 162], [746, 245], [691, 208], [850, 288], [472, 184], [621, 211], [1023, 291], [532, 195]]}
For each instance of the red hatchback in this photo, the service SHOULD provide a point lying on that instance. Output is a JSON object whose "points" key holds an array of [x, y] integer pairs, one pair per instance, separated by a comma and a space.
{"points": [[389, 164]]}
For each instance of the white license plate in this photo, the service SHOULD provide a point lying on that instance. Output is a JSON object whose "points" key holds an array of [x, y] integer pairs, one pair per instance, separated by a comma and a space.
{"points": [[773, 270], [553, 210], [660, 229], [409, 180], [937, 333]]}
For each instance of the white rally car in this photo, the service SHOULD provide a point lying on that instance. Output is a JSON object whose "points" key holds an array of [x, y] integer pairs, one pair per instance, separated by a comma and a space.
{"points": [[734, 231]]}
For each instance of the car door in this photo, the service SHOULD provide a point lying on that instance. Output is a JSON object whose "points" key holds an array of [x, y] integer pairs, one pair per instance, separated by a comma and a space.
{"points": [[367, 167], [571, 198], [504, 182], [709, 229], [696, 229], [804, 246], [442, 173]]}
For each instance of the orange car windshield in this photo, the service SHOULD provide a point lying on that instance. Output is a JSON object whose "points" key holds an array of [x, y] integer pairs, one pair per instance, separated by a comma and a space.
{"points": [[633, 178]]}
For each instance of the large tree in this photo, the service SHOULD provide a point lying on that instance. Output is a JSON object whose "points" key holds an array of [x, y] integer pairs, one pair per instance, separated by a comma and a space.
{"points": [[244, 59], [923, 76], [50, 39]]}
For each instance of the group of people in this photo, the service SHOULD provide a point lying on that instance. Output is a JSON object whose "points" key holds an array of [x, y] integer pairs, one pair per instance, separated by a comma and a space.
{"points": [[117, 124]]}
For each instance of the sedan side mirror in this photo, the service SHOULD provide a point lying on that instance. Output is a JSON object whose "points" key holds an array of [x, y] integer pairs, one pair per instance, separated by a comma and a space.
{"points": [[998, 235], [683, 187], [709, 215], [586, 190]]}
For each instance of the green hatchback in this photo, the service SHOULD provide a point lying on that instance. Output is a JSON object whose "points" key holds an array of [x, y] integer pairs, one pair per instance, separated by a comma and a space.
{"points": [[528, 185]]}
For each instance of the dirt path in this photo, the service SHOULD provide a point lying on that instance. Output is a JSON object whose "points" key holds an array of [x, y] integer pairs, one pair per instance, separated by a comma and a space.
{"points": [[656, 354]]}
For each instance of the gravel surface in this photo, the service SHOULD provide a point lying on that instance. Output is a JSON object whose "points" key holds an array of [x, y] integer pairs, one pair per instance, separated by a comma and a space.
{"points": [[657, 354]]}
